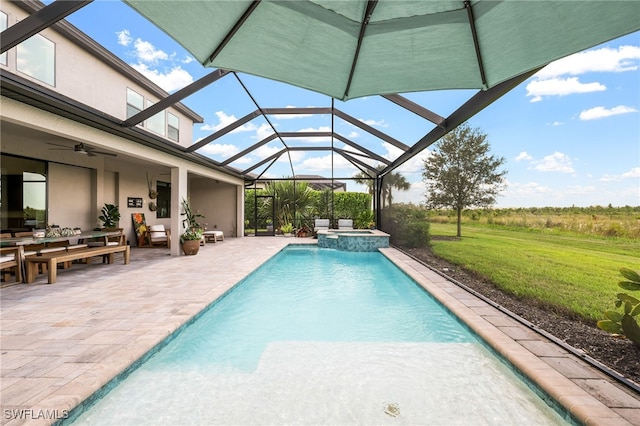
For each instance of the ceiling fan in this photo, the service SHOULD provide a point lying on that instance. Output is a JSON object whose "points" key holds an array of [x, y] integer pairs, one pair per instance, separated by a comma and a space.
{"points": [[80, 149]]}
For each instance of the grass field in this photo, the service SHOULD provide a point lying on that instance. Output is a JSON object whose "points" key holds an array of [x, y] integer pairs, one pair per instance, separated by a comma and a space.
{"points": [[572, 271]]}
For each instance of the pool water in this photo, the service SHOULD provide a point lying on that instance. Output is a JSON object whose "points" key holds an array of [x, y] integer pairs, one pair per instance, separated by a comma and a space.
{"points": [[318, 336]]}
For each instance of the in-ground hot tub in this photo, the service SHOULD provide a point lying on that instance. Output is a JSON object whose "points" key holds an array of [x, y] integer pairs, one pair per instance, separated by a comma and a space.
{"points": [[353, 239]]}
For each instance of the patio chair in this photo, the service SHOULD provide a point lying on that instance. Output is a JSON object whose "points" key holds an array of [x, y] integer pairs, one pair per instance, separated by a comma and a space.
{"points": [[345, 224], [320, 224], [10, 262], [32, 249], [112, 240], [158, 236]]}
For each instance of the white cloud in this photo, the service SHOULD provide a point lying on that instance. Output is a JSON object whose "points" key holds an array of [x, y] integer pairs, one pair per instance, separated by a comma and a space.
{"points": [[175, 79], [527, 189], [374, 123], [188, 60], [146, 52], [606, 59], [124, 37], [601, 112], [524, 156], [560, 87], [243, 160], [318, 164], [263, 131], [631, 174], [556, 162], [413, 165], [266, 151], [224, 150], [554, 80], [557, 123]]}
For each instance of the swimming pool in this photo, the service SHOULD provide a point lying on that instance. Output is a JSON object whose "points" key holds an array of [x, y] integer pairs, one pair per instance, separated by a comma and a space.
{"points": [[321, 336]]}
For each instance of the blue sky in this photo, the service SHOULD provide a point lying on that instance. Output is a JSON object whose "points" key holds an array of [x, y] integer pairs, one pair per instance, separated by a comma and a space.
{"points": [[570, 134]]}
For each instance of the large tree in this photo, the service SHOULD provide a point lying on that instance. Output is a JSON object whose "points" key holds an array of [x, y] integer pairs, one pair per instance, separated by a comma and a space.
{"points": [[460, 173]]}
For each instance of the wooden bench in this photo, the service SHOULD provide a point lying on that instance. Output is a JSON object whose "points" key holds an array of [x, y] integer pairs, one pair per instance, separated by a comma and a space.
{"points": [[52, 259]]}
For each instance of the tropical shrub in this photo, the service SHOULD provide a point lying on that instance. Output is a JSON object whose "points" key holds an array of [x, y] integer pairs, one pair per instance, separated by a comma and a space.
{"points": [[625, 323], [407, 225]]}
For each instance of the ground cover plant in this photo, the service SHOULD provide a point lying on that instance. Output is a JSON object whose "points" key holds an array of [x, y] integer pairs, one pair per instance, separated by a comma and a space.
{"points": [[577, 273]]}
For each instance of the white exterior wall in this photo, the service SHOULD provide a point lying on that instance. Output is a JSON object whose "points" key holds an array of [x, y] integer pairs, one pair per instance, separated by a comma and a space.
{"points": [[103, 87], [69, 194]]}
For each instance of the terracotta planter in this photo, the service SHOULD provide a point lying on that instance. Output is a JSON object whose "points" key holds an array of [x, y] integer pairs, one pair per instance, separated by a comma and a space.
{"points": [[190, 247]]}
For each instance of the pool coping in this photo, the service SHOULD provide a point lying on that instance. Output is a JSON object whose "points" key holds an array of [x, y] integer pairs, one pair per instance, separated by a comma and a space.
{"points": [[52, 360], [590, 396]]}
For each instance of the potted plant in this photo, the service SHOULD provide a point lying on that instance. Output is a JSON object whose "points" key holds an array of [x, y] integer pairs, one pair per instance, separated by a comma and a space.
{"points": [[269, 225], [110, 216], [191, 237]]}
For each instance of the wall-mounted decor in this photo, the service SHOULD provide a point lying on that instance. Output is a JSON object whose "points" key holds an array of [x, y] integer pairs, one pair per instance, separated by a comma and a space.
{"points": [[152, 193], [134, 202], [152, 206]]}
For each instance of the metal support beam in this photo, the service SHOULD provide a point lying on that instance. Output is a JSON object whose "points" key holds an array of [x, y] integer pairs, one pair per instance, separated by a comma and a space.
{"points": [[266, 160], [247, 13], [354, 160], [224, 131], [248, 150], [475, 104], [38, 21], [416, 109], [175, 98], [476, 43], [369, 129], [371, 6], [296, 110], [362, 149]]}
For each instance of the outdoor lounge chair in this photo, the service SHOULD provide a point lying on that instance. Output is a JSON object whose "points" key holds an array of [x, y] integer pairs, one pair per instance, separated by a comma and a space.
{"points": [[345, 224], [320, 224], [159, 236]]}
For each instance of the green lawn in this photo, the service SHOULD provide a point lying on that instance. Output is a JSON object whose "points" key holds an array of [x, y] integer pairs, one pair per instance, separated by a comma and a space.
{"points": [[576, 272]]}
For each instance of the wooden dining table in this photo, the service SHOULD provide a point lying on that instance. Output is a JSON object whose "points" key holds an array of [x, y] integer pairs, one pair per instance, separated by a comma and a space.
{"points": [[85, 235], [73, 239]]}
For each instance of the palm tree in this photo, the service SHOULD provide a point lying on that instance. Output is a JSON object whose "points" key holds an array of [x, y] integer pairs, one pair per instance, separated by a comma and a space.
{"points": [[290, 198], [390, 181], [396, 181]]}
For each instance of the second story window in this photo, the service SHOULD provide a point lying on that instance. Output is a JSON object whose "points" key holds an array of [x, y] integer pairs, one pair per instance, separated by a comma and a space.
{"points": [[3, 26], [173, 128], [135, 103], [36, 58], [157, 122]]}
